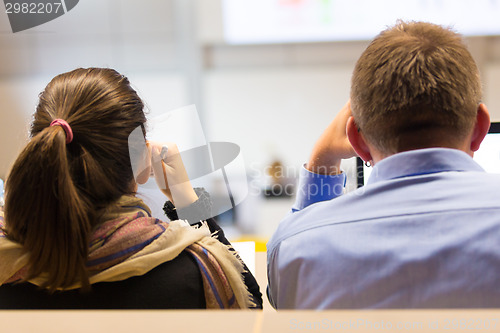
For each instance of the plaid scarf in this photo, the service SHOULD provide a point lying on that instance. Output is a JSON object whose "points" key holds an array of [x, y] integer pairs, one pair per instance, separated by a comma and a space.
{"points": [[131, 243]]}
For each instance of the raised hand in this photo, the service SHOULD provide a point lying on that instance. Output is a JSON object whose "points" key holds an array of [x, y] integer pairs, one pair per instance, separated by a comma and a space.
{"points": [[170, 173], [332, 146]]}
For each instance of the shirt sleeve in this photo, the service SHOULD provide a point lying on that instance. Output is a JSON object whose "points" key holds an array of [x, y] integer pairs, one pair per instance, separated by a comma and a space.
{"points": [[314, 188]]}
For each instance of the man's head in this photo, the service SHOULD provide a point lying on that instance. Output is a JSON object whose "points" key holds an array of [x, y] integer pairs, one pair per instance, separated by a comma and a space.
{"points": [[415, 86]]}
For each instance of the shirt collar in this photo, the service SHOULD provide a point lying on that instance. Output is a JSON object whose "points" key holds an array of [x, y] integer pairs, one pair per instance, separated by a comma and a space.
{"points": [[422, 161]]}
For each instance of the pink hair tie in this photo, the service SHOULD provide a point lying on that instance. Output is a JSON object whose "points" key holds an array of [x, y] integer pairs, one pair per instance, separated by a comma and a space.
{"points": [[67, 129]]}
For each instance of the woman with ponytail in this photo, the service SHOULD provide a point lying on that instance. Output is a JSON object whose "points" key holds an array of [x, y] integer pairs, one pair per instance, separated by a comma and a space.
{"points": [[74, 235]]}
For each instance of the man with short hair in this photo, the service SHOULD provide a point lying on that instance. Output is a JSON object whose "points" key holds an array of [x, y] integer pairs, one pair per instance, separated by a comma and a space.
{"points": [[425, 231]]}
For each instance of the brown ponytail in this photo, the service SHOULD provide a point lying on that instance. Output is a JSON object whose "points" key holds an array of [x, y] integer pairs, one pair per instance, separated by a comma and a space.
{"points": [[56, 190]]}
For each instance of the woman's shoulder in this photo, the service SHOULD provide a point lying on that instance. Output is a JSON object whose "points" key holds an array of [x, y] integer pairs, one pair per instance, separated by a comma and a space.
{"points": [[174, 284]]}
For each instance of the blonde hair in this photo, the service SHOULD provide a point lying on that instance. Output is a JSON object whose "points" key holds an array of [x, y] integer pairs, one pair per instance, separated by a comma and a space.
{"points": [[415, 86]]}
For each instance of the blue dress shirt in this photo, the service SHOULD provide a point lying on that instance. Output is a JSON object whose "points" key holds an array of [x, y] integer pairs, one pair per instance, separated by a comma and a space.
{"points": [[423, 233]]}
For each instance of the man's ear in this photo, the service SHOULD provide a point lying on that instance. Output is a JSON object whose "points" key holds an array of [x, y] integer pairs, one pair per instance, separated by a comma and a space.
{"points": [[481, 128], [357, 141]]}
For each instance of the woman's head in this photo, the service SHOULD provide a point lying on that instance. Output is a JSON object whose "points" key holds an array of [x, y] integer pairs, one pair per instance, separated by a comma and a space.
{"points": [[102, 110], [55, 188]]}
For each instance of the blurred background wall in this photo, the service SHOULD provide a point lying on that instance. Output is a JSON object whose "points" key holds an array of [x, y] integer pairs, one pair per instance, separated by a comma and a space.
{"points": [[273, 100]]}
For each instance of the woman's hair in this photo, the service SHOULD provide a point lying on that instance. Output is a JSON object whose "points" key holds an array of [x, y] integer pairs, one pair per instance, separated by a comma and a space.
{"points": [[414, 86], [55, 190]]}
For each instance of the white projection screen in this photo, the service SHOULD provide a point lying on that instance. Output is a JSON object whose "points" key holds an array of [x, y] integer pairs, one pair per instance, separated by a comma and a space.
{"points": [[294, 21]]}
